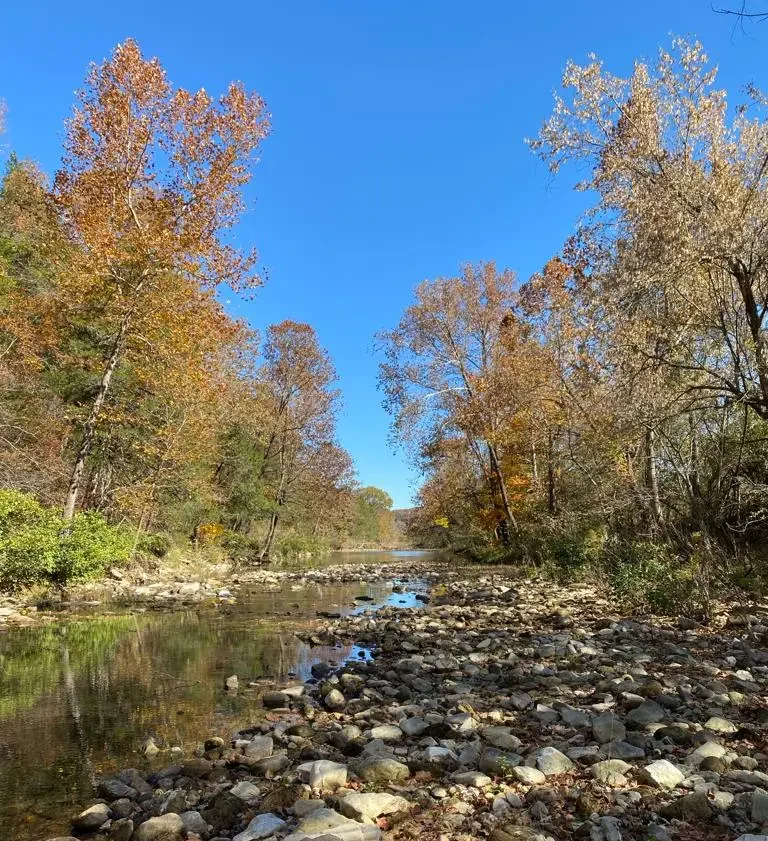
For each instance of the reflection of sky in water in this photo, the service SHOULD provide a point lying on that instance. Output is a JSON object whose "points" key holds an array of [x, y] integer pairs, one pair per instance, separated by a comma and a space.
{"points": [[77, 699]]}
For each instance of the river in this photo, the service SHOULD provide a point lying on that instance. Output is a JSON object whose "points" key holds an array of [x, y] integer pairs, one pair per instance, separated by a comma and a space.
{"points": [[78, 697]]}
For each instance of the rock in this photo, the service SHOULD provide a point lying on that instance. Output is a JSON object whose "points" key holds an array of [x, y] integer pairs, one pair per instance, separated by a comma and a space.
{"points": [[194, 822], [649, 712], [274, 700], [607, 727], [231, 683], [168, 827], [323, 820], [414, 726], [369, 806], [92, 818], [759, 810], [473, 779], [501, 737], [324, 775], [550, 761], [114, 789], [379, 769], [334, 700], [174, 801], [720, 725], [689, 807], [245, 790], [574, 718], [262, 826], [121, 830], [529, 776], [611, 771], [259, 747], [387, 733], [661, 774], [498, 762], [148, 747]]}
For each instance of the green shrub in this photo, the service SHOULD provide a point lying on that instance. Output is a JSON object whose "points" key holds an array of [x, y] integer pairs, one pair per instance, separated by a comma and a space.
{"points": [[239, 546], [649, 576], [36, 546], [29, 540], [88, 545], [290, 545], [158, 545]]}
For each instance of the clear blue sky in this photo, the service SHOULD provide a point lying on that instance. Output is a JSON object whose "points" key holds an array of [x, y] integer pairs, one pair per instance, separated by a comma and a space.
{"points": [[397, 150]]}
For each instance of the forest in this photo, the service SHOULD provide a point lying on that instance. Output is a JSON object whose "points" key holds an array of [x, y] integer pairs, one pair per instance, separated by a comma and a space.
{"points": [[135, 412], [606, 417]]}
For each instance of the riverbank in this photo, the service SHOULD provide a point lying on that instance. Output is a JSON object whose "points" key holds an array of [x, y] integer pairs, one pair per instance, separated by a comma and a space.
{"points": [[195, 579], [503, 709]]}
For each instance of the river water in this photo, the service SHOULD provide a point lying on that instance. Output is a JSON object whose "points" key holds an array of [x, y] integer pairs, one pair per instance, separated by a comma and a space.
{"points": [[77, 698]]}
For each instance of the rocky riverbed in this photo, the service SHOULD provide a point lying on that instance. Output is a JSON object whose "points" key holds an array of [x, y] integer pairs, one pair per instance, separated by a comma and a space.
{"points": [[508, 710]]}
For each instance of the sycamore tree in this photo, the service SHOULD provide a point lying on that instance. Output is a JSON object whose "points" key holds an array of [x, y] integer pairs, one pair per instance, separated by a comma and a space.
{"points": [[151, 183]]}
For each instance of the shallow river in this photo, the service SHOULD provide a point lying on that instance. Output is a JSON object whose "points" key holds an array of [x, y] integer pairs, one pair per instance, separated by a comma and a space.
{"points": [[77, 698]]}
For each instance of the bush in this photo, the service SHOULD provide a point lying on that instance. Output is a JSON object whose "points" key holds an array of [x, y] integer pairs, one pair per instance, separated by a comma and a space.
{"points": [[88, 545], [158, 545], [239, 546], [291, 545], [36, 546], [29, 540], [649, 576]]}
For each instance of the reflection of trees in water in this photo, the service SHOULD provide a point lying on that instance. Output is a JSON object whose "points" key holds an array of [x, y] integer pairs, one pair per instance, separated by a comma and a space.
{"points": [[77, 699]]}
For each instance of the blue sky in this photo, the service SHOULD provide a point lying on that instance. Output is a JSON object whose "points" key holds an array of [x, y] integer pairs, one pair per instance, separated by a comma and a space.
{"points": [[397, 148]]}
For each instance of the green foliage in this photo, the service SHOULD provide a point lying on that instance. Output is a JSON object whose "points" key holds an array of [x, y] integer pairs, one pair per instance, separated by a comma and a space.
{"points": [[158, 545], [651, 577], [297, 544], [29, 540], [36, 547]]}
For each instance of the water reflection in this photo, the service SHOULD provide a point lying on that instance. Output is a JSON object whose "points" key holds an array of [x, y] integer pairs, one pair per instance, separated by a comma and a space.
{"points": [[76, 699]]}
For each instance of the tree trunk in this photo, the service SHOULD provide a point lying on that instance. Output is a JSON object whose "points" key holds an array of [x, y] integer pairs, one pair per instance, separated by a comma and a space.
{"points": [[551, 492], [502, 487], [652, 476], [269, 540], [89, 429]]}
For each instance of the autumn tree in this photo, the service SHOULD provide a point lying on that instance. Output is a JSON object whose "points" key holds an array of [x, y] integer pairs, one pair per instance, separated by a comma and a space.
{"points": [[440, 374], [296, 384], [151, 184]]}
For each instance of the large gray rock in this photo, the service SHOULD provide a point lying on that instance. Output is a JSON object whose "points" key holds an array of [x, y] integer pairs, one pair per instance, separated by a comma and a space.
{"points": [[550, 761], [260, 747], [661, 774], [608, 727], [92, 818], [528, 776], [369, 806], [759, 810], [387, 733], [382, 769], [649, 712], [245, 790], [323, 775], [168, 827]]}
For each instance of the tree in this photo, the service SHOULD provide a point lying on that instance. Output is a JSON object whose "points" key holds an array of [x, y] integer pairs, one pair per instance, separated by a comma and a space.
{"points": [[296, 380], [439, 373], [151, 183]]}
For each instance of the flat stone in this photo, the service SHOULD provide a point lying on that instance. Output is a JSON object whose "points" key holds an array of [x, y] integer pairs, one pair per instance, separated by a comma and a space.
{"points": [[245, 790], [473, 779], [649, 712], [260, 747], [611, 771], [759, 809], [387, 733], [262, 826], [366, 807], [529, 776], [720, 725]]}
